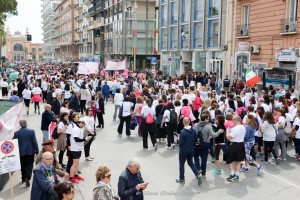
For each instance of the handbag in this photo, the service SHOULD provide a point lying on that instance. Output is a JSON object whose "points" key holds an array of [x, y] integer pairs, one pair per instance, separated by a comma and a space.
{"points": [[133, 122], [159, 117]]}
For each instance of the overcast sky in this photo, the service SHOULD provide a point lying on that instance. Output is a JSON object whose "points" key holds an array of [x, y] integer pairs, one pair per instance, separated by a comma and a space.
{"points": [[29, 15]]}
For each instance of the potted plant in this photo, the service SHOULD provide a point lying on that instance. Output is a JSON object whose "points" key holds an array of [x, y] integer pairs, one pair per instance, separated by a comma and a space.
{"points": [[214, 11]]}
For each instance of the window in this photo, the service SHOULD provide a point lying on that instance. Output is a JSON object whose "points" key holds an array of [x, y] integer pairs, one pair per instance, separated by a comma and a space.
{"points": [[198, 35], [214, 7], [245, 15], [292, 10], [174, 13], [173, 37], [199, 10], [213, 36], [185, 36], [164, 15], [18, 47], [185, 11], [163, 38]]}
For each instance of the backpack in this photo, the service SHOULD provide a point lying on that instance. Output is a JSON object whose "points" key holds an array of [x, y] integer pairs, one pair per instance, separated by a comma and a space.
{"points": [[173, 117], [257, 122], [200, 142], [149, 119], [54, 133]]}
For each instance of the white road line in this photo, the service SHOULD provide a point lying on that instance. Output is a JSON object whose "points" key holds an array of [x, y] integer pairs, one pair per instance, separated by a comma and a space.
{"points": [[283, 180]]}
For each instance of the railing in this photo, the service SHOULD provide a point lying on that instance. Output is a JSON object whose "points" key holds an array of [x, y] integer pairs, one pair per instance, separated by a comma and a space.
{"points": [[242, 30], [91, 11], [289, 25], [99, 6]]}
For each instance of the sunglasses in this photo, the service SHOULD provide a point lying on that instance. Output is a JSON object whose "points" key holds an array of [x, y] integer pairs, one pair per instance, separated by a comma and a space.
{"points": [[108, 176]]}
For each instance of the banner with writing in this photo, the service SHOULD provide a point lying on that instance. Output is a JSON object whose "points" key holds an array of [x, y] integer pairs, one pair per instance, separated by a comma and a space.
{"points": [[88, 68]]}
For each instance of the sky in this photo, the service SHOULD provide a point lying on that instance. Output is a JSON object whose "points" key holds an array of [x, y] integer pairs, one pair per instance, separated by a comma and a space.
{"points": [[29, 15]]}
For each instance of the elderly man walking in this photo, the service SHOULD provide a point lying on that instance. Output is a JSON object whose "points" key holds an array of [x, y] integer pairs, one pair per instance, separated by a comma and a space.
{"points": [[28, 146], [47, 118]]}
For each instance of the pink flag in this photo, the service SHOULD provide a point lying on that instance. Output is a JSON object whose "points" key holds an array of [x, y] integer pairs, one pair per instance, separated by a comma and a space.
{"points": [[133, 75], [102, 72], [106, 75], [139, 75]]}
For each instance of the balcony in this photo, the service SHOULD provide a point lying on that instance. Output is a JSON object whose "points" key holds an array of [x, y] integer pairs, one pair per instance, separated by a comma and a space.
{"points": [[289, 26], [96, 23], [85, 13], [92, 11], [86, 2], [78, 17], [78, 6], [85, 27], [88, 40], [79, 29], [242, 31], [99, 6]]}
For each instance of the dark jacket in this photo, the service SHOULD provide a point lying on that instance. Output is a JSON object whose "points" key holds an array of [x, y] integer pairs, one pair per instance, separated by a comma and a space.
{"points": [[42, 188], [221, 138], [57, 167], [27, 142], [50, 97], [47, 118], [187, 140], [105, 89], [101, 106], [126, 188], [74, 103], [56, 106]]}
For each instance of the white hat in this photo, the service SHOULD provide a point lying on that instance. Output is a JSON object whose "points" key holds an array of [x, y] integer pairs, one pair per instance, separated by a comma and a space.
{"points": [[82, 119]]}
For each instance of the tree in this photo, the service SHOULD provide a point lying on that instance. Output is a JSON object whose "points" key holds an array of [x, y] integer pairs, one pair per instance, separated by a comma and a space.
{"points": [[7, 8]]}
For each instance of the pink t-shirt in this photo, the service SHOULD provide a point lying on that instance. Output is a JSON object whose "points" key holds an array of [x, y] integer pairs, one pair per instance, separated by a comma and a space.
{"points": [[229, 124]]}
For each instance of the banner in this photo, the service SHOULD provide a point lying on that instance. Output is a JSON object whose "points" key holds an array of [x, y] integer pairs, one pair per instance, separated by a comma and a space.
{"points": [[88, 68], [110, 65], [10, 156], [9, 122]]}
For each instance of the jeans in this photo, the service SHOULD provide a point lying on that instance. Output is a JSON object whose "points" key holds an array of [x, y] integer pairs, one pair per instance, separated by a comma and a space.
{"points": [[283, 148], [203, 153], [106, 97], [184, 156], [117, 107], [45, 135], [269, 147], [127, 121], [26, 166], [248, 147]]}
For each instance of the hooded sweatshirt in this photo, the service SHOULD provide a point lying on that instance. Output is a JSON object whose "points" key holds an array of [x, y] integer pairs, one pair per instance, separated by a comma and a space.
{"points": [[187, 140]]}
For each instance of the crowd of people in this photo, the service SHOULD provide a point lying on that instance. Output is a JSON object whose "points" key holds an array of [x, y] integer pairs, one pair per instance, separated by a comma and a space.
{"points": [[199, 112]]}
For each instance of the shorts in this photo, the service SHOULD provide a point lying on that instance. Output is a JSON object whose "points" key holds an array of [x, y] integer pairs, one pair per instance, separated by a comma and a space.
{"points": [[4, 91], [236, 152], [75, 154], [27, 102]]}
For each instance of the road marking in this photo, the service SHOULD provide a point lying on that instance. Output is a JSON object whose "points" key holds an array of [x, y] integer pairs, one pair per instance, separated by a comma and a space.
{"points": [[283, 180]]}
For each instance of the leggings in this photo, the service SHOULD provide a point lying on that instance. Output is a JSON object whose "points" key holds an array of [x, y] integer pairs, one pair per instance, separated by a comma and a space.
{"points": [[61, 156], [87, 148], [36, 105], [269, 148], [218, 148], [82, 106]]}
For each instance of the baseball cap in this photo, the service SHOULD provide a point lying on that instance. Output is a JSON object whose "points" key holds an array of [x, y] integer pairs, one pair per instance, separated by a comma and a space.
{"points": [[81, 120]]}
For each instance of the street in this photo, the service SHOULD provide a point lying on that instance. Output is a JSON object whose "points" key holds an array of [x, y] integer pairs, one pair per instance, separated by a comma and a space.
{"points": [[161, 168]]}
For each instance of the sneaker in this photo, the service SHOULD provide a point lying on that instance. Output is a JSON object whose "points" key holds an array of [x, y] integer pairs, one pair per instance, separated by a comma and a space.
{"points": [[91, 158], [173, 146], [212, 160], [98, 126], [27, 183], [168, 147], [88, 159], [155, 146], [260, 170], [73, 180], [277, 161], [237, 178], [199, 180], [178, 180], [243, 169], [203, 176], [216, 171], [79, 177], [231, 178]]}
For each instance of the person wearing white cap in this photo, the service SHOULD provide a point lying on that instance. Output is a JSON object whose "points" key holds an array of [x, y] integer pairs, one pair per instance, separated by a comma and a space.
{"points": [[77, 143]]}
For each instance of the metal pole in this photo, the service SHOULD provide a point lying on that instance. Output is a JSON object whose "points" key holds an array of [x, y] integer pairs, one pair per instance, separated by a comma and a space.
{"points": [[135, 38], [147, 9], [233, 40]]}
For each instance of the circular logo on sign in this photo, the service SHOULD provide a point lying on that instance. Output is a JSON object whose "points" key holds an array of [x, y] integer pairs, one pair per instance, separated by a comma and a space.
{"points": [[7, 147]]}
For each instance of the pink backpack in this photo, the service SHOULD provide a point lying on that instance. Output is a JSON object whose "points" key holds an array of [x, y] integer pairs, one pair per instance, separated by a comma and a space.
{"points": [[149, 119]]}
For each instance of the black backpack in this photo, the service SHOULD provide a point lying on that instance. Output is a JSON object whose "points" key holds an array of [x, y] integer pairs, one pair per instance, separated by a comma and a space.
{"points": [[173, 117], [200, 142], [54, 133]]}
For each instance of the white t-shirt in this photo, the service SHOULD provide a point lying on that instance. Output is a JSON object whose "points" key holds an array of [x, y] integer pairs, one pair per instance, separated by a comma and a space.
{"points": [[36, 90], [297, 123], [62, 126], [126, 108], [3, 84], [119, 97], [237, 133], [146, 109], [282, 120], [26, 94], [167, 115], [76, 132], [89, 122]]}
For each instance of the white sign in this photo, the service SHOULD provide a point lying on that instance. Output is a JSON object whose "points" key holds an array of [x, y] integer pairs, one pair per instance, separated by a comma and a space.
{"points": [[285, 55], [9, 122], [88, 68], [110, 65], [9, 156], [243, 46]]}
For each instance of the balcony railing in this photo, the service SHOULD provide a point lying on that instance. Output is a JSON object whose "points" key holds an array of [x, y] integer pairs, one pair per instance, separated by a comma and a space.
{"points": [[91, 11], [289, 25], [242, 30], [99, 6]]}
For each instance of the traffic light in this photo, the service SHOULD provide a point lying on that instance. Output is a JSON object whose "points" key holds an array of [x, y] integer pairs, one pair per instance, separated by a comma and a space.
{"points": [[97, 33], [29, 38]]}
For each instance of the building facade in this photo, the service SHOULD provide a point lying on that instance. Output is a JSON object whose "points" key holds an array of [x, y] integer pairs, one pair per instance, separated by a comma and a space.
{"points": [[267, 37], [48, 27], [18, 49], [192, 35], [64, 38]]}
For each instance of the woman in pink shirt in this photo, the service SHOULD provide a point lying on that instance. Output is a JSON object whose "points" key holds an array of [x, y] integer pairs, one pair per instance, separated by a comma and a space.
{"points": [[197, 105]]}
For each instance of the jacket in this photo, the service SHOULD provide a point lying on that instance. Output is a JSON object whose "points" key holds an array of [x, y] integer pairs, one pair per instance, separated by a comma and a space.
{"points": [[221, 138], [207, 131], [57, 167], [55, 106], [74, 103], [47, 118], [249, 135], [187, 140], [42, 188], [27, 141], [105, 89], [126, 188], [102, 191], [101, 106]]}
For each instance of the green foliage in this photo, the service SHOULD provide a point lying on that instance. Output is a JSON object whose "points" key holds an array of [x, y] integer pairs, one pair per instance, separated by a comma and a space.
{"points": [[7, 8]]}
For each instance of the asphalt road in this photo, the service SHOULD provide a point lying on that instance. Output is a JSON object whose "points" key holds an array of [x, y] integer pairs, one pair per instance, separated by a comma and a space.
{"points": [[160, 169]]}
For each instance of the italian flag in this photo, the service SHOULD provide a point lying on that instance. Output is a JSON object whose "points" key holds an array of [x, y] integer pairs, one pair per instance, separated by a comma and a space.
{"points": [[251, 78]]}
